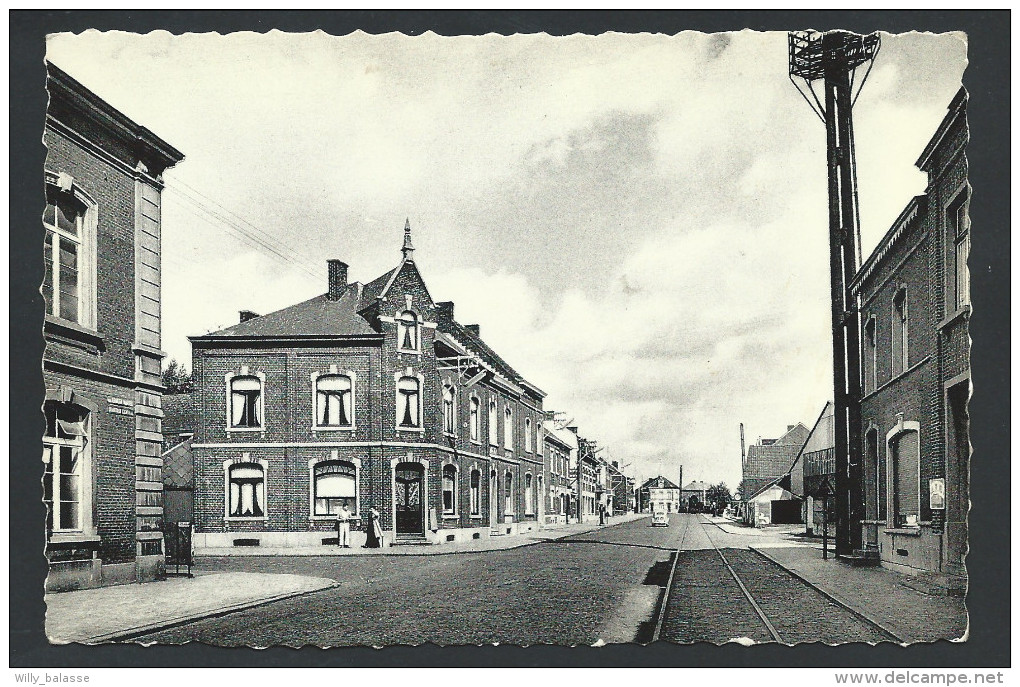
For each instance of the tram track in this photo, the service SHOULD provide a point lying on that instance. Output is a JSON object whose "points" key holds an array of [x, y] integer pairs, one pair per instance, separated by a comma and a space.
{"points": [[724, 594]]}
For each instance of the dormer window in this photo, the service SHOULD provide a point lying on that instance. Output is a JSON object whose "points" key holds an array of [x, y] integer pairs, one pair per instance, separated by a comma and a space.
{"points": [[408, 332]]}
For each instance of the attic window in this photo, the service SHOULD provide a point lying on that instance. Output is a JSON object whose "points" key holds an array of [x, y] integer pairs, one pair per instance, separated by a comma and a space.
{"points": [[408, 334]]}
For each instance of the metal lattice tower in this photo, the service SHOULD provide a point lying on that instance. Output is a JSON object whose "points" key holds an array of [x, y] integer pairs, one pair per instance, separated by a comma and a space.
{"points": [[834, 58]]}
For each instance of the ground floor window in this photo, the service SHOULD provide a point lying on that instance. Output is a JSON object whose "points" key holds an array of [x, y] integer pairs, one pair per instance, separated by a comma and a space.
{"points": [[476, 492], [335, 485], [247, 490], [449, 490], [509, 493], [64, 447], [904, 449], [529, 506]]}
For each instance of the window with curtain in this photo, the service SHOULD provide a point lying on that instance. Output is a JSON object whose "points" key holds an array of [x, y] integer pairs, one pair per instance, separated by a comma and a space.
{"points": [[334, 401], [493, 421], [476, 492], [63, 220], [474, 420], [335, 485], [508, 428], [247, 486], [246, 402], [64, 444], [449, 490], [900, 342], [449, 410], [409, 400], [408, 334]]}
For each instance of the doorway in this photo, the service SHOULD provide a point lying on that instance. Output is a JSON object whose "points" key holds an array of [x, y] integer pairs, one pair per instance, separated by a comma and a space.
{"points": [[409, 480]]}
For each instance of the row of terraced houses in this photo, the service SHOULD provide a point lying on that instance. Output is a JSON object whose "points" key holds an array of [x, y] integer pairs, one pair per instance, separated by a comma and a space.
{"points": [[371, 395]]}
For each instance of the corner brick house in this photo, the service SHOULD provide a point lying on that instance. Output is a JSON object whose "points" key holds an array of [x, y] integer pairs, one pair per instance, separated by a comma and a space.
{"points": [[913, 294], [101, 479], [370, 395]]}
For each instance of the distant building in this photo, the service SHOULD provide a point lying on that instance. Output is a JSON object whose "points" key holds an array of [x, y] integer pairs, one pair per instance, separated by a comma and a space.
{"points": [[560, 469], [814, 472], [658, 493], [914, 302], [770, 459], [694, 496], [102, 481]]}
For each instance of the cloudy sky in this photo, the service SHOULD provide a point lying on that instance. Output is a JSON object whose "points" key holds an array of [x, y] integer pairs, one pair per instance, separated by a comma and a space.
{"points": [[637, 222]]}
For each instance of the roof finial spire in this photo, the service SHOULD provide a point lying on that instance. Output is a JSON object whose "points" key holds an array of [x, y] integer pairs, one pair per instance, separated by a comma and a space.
{"points": [[408, 249]]}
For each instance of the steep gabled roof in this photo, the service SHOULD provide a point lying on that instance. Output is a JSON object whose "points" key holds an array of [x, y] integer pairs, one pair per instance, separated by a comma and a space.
{"points": [[659, 482], [697, 486], [316, 317]]}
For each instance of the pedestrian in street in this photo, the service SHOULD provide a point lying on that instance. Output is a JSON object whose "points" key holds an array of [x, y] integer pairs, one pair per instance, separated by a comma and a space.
{"points": [[343, 527], [602, 514], [373, 532]]}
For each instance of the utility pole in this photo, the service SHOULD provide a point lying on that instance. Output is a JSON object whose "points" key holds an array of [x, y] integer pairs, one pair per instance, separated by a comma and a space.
{"points": [[833, 58]]}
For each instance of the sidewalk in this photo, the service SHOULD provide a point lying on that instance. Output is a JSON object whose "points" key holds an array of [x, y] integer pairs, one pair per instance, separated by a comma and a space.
{"points": [[511, 541], [107, 614], [733, 527], [878, 594]]}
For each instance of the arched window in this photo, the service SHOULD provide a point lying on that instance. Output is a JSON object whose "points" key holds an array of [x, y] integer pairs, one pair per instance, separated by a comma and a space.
{"points": [[449, 489], [245, 401], [334, 401], [509, 493], [474, 421], [64, 455], [247, 490], [409, 403], [904, 452], [408, 334], [528, 443], [529, 503], [449, 410], [476, 492], [508, 428], [336, 484], [870, 356], [900, 344], [493, 418]]}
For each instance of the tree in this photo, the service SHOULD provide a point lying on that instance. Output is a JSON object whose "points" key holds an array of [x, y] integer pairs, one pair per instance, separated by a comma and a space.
{"points": [[176, 379], [718, 496]]}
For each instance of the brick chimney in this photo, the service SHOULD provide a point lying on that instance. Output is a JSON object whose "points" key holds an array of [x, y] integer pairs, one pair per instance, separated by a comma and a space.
{"points": [[789, 428], [474, 329], [444, 313], [248, 315], [337, 279]]}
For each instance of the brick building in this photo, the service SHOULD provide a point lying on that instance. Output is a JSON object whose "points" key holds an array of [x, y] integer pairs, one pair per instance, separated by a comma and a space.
{"points": [[371, 395], [913, 294], [102, 479], [658, 493], [560, 470], [771, 459]]}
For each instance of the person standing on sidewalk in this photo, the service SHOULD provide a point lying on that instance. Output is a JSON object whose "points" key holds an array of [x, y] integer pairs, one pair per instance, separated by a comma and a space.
{"points": [[373, 539], [343, 527]]}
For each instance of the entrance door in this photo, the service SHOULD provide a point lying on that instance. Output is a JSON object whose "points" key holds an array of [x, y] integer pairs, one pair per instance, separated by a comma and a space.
{"points": [[493, 501], [410, 480]]}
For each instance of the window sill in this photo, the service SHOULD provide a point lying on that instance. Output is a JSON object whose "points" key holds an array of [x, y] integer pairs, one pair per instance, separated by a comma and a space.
{"points": [[73, 538], [334, 429], [907, 531], [451, 516], [475, 517], [414, 430], [245, 518], [407, 351], [961, 313], [73, 333], [246, 429]]}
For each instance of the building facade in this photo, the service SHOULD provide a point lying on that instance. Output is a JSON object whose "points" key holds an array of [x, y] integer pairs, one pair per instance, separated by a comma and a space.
{"points": [[658, 493], [371, 396], [913, 295], [816, 470], [770, 459], [102, 481]]}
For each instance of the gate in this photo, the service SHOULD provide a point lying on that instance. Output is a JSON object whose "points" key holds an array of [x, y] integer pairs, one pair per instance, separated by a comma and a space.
{"points": [[177, 540]]}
